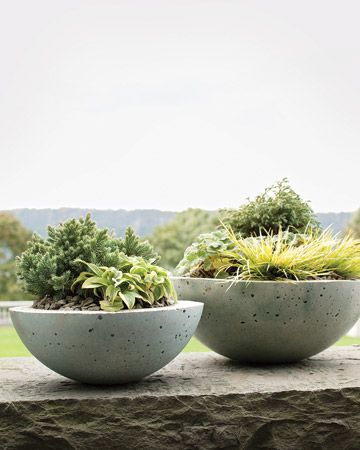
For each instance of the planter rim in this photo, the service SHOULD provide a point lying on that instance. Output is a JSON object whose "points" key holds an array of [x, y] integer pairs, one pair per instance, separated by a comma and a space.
{"points": [[227, 280], [178, 305]]}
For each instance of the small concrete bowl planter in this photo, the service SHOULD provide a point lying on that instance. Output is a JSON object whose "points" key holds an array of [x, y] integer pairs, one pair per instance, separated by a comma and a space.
{"points": [[99, 347], [272, 321]]}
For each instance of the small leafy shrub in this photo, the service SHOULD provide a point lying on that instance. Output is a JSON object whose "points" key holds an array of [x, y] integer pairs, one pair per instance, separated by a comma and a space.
{"points": [[203, 258], [285, 256], [279, 207], [48, 267], [274, 237], [132, 245], [133, 283]]}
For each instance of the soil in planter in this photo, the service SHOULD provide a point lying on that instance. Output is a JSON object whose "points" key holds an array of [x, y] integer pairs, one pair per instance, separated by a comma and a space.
{"points": [[199, 272], [77, 303]]}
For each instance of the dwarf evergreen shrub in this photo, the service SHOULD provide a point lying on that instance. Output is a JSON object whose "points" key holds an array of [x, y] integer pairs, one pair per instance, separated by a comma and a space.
{"points": [[48, 267], [278, 207]]}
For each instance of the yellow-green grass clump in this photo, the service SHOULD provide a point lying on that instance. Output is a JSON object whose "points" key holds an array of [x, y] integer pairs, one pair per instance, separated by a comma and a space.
{"points": [[291, 257]]}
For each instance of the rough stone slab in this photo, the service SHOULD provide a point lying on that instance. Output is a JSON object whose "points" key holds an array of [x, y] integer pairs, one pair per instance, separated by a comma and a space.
{"points": [[199, 401]]}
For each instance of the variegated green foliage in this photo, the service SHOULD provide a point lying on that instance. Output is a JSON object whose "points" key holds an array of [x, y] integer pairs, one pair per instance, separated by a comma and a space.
{"points": [[284, 256], [48, 267], [133, 283], [202, 259], [288, 256]]}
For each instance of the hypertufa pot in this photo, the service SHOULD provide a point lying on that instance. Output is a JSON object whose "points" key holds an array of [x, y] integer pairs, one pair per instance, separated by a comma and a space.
{"points": [[272, 322], [100, 347]]}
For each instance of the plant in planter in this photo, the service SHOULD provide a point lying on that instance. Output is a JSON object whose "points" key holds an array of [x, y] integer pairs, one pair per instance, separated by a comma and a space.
{"points": [[276, 296], [278, 207], [105, 312], [203, 258], [134, 283], [48, 267]]}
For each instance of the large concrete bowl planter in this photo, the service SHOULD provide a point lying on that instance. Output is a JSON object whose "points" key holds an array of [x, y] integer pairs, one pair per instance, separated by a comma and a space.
{"points": [[100, 347], [272, 322]]}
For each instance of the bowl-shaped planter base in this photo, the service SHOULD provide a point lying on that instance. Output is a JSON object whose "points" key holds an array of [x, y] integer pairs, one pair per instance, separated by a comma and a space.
{"points": [[100, 347], [272, 322]]}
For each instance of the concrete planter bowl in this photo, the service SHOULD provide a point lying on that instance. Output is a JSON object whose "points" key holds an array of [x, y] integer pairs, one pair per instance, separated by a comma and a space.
{"points": [[98, 347], [272, 322]]}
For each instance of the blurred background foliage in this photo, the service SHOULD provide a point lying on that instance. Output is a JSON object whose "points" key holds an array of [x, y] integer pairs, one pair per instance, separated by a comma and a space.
{"points": [[170, 240], [170, 233], [354, 225], [13, 239]]}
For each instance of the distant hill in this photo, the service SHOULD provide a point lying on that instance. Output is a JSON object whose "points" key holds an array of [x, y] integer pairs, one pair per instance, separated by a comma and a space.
{"points": [[337, 221], [142, 220]]}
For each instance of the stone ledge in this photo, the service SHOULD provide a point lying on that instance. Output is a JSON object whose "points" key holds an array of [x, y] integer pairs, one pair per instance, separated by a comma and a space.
{"points": [[199, 401]]}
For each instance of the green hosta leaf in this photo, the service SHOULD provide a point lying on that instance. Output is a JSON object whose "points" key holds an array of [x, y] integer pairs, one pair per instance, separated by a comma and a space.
{"points": [[133, 277], [138, 270], [116, 275], [150, 277], [116, 306], [141, 289], [129, 298], [159, 280], [111, 293], [95, 269], [148, 300], [84, 275], [134, 280], [158, 292], [93, 282]]}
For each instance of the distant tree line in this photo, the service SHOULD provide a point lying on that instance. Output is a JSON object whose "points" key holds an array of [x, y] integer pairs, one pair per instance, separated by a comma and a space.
{"points": [[13, 239], [143, 221], [170, 233], [354, 225]]}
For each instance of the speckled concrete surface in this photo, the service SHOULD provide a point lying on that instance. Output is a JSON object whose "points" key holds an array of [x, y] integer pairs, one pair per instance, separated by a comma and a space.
{"points": [[100, 347], [267, 321]]}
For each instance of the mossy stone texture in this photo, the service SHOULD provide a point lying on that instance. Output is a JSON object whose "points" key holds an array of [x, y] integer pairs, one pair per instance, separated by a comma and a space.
{"points": [[200, 401]]}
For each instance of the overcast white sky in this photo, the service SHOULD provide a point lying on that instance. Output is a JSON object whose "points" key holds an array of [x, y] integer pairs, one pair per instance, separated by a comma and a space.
{"points": [[176, 104]]}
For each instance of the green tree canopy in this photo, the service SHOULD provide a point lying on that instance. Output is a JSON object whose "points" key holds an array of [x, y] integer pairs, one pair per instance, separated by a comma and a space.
{"points": [[13, 236], [354, 225], [13, 239], [171, 239]]}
